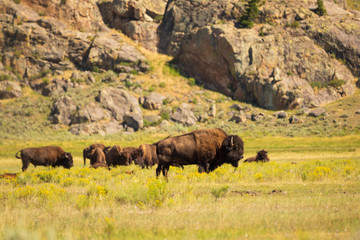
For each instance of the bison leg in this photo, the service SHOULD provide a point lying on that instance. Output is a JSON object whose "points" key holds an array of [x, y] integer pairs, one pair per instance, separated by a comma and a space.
{"points": [[205, 167], [25, 165], [165, 171], [158, 170]]}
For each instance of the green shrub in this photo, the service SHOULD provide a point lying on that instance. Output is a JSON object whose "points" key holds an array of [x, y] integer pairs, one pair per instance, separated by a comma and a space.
{"points": [[318, 84], [46, 81], [294, 24], [158, 18], [220, 192], [152, 88], [321, 11], [336, 83], [5, 77], [17, 1], [162, 84], [191, 81], [171, 69], [165, 115], [96, 69]]}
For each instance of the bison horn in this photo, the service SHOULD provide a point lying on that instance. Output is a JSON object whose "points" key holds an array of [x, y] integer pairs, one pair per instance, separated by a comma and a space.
{"points": [[231, 141]]}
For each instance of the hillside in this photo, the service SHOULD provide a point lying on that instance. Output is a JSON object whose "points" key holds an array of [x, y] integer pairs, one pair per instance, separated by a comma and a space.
{"points": [[79, 68]]}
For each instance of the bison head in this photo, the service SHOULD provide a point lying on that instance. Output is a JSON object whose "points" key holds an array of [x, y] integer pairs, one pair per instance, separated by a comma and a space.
{"points": [[262, 156], [233, 150], [137, 156], [66, 160]]}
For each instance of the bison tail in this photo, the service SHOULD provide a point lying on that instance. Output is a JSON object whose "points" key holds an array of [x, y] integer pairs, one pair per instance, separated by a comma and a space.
{"points": [[16, 155]]}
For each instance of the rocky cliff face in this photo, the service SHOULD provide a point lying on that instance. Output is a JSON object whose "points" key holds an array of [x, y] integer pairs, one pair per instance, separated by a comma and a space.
{"points": [[273, 64]]}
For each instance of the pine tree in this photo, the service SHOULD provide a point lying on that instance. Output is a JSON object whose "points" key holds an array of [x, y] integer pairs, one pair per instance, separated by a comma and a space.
{"points": [[252, 11], [321, 11]]}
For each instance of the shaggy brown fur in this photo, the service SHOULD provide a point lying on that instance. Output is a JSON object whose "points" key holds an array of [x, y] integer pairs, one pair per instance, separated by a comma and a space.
{"points": [[98, 157], [97, 165], [45, 156], [9, 175], [149, 157], [261, 156], [113, 157], [87, 151], [132, 154], [207, 148]]}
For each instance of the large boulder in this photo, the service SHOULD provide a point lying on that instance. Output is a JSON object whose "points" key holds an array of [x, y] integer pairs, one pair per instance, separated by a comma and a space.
{"points": [[153, 101], [134, 120], [138, 19], [109, 52], [91, 112], [184, 115], [119, 102], [9, 89], [62, 111]]}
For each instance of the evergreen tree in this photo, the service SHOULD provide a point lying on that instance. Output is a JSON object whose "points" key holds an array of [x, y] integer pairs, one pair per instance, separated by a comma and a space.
{"points": [[321, 11], [252, 11]]}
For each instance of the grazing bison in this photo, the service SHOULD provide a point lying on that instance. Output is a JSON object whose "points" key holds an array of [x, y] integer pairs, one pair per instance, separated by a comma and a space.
{"points": [[114, 157], [132, 154], [261, 156], [45, 156], [149, 156], [87, 151], [208, 148], [97, 158]]}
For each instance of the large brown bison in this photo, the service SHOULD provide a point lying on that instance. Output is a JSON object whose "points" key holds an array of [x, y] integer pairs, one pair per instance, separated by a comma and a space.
{"points": [[45, 156], [114, 157], [149, 156], [87, 151], [132, 154], [97, 158], [208, 148], [261, 156]]}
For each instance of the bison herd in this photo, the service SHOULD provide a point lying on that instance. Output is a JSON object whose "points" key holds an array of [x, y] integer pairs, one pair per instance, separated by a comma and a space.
{"points": [[206, 148]]}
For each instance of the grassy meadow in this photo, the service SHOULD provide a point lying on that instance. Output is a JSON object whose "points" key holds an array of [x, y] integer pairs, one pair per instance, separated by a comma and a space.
{"points": [[310, 189]]}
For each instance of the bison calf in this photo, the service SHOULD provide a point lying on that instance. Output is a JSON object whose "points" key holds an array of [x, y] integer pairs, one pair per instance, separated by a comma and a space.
{"points": [[45, 156], [261, 156]]}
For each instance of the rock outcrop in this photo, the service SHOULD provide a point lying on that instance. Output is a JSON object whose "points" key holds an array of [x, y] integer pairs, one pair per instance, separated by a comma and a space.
{"points": [[9, 89], [138, 19], [273, 66], [119, 102], [46, 45]]}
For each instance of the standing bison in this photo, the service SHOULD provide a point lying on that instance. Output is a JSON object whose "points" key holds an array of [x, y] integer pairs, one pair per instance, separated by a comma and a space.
{"points": [[149, 157], [114, 157], [208, 148], [261, 156], [87, 151], [45, 156]]}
